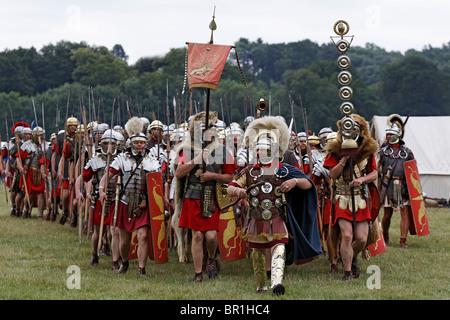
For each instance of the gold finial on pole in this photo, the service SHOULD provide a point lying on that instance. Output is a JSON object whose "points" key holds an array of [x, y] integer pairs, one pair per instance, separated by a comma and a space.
{"points": [[212, 25]]}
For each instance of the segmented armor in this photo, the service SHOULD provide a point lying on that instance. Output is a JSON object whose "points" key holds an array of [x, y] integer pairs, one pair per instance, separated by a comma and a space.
{"points": [[134, 170]]}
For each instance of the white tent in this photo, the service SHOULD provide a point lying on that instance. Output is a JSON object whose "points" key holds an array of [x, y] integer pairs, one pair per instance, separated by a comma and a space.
{"points": [[429, 140]]}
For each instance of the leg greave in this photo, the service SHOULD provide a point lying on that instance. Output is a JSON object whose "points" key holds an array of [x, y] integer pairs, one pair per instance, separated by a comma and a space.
{"points": [[259, 268], [278, 263]]}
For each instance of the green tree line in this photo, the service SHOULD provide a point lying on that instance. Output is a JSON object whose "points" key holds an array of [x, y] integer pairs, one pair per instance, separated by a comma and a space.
{"points": [[64, 78]]}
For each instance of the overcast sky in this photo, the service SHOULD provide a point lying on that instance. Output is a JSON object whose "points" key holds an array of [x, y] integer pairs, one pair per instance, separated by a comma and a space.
{"points": [[152, 27]]}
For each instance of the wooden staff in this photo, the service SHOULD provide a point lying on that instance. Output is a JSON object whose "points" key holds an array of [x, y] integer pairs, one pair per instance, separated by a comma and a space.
{"points": [[108, 163]]}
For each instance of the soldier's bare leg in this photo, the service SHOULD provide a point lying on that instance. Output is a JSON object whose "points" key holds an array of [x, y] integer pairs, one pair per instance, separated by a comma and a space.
{"points": [[346, 247], [404, 225], [197, 250], [94, 239], [386, 223], [41, 205], [142, 234], [115, 247], [125, 241], [212, 243]]}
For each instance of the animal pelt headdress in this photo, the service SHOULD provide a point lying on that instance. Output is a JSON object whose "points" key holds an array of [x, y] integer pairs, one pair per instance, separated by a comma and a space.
{"points": [[276, 129], [194, 135], [367, 145]]}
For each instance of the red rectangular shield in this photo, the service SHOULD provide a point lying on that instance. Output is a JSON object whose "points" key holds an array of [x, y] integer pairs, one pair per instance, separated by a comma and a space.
{"points": [[135, 244], [231, 246], [379, 246], [158, 223], [416, 198], [205, 64]]}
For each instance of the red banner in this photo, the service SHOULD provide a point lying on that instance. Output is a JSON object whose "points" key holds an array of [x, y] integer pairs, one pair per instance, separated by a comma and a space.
{"points": [[156, 207], [416, 198], [205, 64]]}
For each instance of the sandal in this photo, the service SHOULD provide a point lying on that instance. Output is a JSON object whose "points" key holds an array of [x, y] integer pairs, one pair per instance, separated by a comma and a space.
{"points": [[198, 277]]}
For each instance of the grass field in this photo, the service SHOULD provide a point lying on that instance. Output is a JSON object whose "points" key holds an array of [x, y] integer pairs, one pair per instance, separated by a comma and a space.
{"points": [[35, 256]]}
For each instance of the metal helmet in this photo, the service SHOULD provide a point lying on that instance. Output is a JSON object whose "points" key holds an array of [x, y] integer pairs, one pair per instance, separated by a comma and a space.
{"points": [[156, 124], [167, 132], [247, 120], [109, 137], [91, 125], [331, 137], [324, 132], [80, 128], [118, 128], [145, 124], [178, 135], [313, 140], [27, 130], [269, 142], [119, 137], [72, 121], [220, 124], [100, 128], [301, 136], [137, 137], [396, 127], [37, 134], [395, 131], [18, 130]]}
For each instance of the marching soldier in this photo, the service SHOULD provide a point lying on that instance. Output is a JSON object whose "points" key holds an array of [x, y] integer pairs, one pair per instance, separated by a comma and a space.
{"points": [[321, 178], [351, 200], [199, 212], [323, 135], [33, 168], [18, 186], [392, 157], [279, 196], [155, 134], [9, 153], [133, 213], [303, 155], [51, 185], [66, 152], [93, 172], [54, 167], [316, 154], [145, 123]]}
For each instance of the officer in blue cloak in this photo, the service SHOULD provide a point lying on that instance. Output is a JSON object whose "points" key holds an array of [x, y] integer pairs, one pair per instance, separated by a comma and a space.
{"points": [[282, 205]]}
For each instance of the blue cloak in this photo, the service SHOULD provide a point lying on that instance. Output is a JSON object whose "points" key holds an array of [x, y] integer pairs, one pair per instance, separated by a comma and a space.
{"points": [[301, 210]]}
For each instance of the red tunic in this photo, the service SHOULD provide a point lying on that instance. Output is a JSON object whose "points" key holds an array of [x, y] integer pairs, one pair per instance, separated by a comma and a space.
{"points": [[361, 214], [191, 216], [97, 214], [124, 221], [31, 188]]}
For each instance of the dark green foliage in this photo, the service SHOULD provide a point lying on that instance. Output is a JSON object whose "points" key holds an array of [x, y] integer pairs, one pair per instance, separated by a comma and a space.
{"points": [[416, 83]]}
